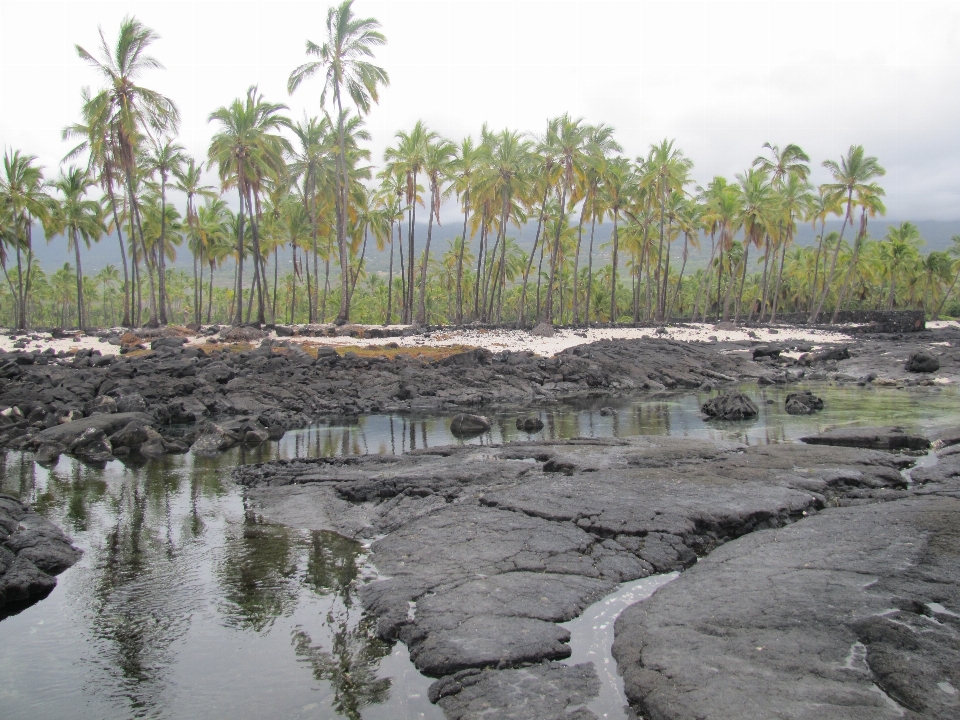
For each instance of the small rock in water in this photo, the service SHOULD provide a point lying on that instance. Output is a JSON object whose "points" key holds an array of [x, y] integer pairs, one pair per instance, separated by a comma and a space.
{"points": [[607, 411], [803, 403], [530, 424], [923, 362], [730, 406], [465, 424]]}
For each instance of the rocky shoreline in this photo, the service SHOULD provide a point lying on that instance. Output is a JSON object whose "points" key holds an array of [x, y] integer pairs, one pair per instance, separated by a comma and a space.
{"points": [[485, 550]]}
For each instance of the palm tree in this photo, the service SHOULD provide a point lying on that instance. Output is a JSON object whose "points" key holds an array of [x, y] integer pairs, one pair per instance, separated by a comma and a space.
{"points": [[955, 251], [23, 200], [246, 149], [796, 201], [600, 146], [106, 167], [164, 158], [79, 218], [851, 175], [618, 185], [438, 165], [108, 276], [128, 112], [190, 183], [898, 249], [464, 167], [569, 137], [410, 157], [213, 235], [758, 204], [665, 171], [349, 41], [868, 198]]}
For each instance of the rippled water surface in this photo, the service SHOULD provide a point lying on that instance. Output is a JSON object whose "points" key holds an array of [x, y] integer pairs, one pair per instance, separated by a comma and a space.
{"points": [[183, 608]]}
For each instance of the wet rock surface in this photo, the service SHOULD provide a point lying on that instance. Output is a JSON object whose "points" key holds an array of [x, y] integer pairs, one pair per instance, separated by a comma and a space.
{"points": [[874, 438], [483, 550], [852, 613], [32, 551]]}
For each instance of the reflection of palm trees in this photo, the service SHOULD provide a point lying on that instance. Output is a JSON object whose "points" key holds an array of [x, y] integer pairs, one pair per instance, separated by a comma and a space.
{"points": [[350, 666]]}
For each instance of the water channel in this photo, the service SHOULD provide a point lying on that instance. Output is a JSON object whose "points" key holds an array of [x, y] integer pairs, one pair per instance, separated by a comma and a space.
{"points": [[181, 609]]}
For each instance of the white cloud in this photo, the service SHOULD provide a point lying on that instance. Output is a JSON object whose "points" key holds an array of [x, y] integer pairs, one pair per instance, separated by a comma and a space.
{"points": [[721, 77]]}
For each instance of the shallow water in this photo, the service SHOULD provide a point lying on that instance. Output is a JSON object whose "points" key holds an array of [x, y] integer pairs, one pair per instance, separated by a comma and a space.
{"points": [[183, 608]]}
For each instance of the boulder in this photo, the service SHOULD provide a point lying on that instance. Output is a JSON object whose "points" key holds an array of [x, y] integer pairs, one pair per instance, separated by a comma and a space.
{"points": [[923, 362], [242, 334], [213, 440], [543, 330], [803, 403], [730, 406], [131, 403], [607, 411], [764, 351], [167, 342], [464, 424], [32, 550], [131, 436], [255, 437], [100, 405], [92, 445], [48, 454], [530, 424]]}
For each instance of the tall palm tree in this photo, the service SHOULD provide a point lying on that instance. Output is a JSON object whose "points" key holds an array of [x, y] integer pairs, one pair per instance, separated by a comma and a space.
{"points": [[342, 57], [898, 249], [410, 157], [796, 203], [246, 149], [618, 185], [106, 167], [850, 176], [666, 171], [569, 136], [868, 198], [437, 166], [164, 158], [128, 112], [23, 199], [600, 146], [189, 175], [955, 251], [791, 162], [464, 167], [758, 206], [80, 218], [213, 237]]}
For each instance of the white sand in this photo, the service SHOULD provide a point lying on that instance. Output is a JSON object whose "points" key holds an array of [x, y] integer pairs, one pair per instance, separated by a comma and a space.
{"points": [[497, 340]]}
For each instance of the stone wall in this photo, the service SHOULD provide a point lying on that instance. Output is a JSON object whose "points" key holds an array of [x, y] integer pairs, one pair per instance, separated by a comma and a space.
{"points": [[872, 321]]}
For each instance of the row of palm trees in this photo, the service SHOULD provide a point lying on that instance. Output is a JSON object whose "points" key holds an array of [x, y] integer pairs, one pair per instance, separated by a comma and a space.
{"points": [[308, 188]]}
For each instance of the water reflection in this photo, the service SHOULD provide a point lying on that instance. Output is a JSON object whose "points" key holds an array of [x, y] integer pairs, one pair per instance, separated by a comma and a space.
{"points": [[183, 606]]}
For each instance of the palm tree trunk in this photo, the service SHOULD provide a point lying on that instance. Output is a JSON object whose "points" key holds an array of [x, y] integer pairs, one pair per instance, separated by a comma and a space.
{"points": [[463, 245], [421, 301], [259, 278], [76, 248], [576, 265], [657, 278], [238, 288], [766, 265], [586, 311], [683, 266], [554, 257], [533, 253], [161, 264], [210, 295], [613, 273], [390, 274], [776, 289], [743, 279], [123, 258], [828, 277], [479, 279], [343, 316]]}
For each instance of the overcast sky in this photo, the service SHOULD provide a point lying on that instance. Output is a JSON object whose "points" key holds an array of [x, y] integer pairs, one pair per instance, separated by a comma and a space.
{"points": [[720, 77]]}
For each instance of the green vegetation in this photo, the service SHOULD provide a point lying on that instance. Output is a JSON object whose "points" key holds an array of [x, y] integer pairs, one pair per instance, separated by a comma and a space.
{"points": [[307, 190]]}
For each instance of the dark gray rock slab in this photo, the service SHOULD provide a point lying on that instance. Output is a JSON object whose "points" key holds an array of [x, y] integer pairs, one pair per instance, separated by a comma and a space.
{"points": [[549, 691], [874, 438], [67, 433], [852, 613]]}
